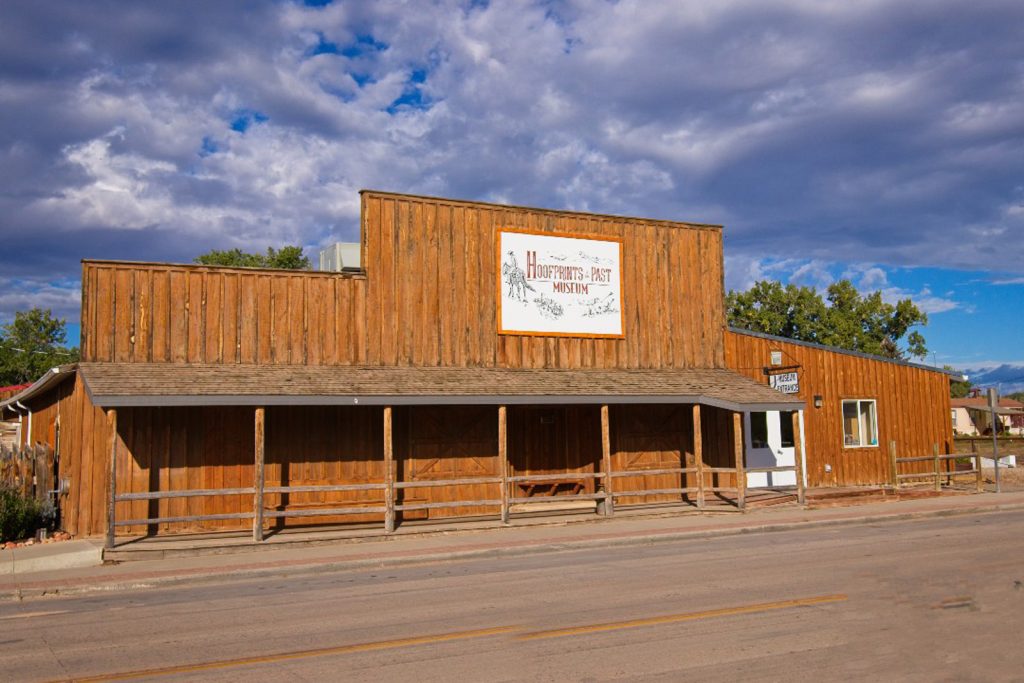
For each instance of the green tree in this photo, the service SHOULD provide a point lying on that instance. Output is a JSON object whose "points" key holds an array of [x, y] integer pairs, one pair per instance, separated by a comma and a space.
{"points": [[958, 388], [844, 318], [288, 257], [32, 344]]}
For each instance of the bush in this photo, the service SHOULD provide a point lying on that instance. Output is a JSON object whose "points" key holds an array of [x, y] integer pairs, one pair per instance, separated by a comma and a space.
{"points": [[19, 516]]}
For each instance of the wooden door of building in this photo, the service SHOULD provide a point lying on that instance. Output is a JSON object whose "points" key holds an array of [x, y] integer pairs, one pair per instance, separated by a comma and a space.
{"points": [[651, 437], [452, 442], [554, 440]]}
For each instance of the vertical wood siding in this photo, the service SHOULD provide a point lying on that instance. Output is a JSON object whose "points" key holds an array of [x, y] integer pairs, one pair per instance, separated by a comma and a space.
{"points": [[912, 406], [428, 298]]}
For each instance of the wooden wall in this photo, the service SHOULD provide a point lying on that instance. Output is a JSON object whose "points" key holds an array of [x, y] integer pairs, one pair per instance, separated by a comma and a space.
{"points": [[428, 298], [82, 447], [912, 407]]}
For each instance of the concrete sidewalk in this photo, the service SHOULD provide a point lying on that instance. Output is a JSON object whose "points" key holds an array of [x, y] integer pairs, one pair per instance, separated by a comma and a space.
{"points": [[37, 578]]}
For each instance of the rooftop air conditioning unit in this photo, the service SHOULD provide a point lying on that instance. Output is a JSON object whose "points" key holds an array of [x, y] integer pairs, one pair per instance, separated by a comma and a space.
{"points": [[340, 257]]}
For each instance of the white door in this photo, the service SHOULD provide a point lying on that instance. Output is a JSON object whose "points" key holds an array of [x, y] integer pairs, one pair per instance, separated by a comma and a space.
{"points": [[770, 443]]}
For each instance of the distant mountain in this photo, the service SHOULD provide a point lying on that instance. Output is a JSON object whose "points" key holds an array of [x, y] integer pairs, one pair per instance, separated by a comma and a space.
{"points": [[1009, 378]]}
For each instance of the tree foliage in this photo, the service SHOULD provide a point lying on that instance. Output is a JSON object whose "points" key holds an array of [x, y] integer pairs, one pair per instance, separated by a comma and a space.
{"points": [[288, 257], [843, 318], [31, 344], [958, 388]]}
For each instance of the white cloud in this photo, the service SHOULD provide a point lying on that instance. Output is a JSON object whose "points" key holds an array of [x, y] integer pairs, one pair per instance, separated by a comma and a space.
{"points": [[63, 298], [817, 132]]}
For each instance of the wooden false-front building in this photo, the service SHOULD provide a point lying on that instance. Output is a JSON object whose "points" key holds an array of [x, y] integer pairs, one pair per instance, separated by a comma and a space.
{"points": [[484, 360]]}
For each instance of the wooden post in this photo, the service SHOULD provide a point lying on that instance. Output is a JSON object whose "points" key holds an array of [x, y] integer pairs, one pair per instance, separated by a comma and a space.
{"points": [[698, 455], [798, 458], [258, 474], [503, 460], [112, 492], [893, 469], [993, 402], [979, 481], [389, 474], [938, 473], [606, 462], [741, 475]]}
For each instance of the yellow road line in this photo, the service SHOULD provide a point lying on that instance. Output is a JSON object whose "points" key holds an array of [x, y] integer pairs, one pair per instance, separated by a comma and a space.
{"points": [[690, 616], [302, 654], [463, 635], [29, 615]]}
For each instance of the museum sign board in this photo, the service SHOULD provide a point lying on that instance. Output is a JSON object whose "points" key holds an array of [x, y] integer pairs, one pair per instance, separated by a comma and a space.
{"points": [[554, 284]]}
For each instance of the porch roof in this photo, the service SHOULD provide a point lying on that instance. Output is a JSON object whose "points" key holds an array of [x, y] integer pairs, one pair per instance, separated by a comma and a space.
{"points": [[51, 378], [163, 384]]}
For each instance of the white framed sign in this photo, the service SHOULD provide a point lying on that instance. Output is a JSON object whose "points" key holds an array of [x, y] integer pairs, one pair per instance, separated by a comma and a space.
{"points": [[554, 284], [786, 382]]}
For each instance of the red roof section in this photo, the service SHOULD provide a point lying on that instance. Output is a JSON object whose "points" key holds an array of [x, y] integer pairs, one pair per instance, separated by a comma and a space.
{"points": [[982, 402]]}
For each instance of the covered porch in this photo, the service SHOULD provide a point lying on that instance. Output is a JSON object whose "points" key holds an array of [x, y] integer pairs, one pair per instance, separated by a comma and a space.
{"points": [[207, 449]]}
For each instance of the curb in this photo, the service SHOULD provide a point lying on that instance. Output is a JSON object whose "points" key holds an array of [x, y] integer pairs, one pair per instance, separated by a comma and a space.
{"points": [[24, 561], [305, 567]]}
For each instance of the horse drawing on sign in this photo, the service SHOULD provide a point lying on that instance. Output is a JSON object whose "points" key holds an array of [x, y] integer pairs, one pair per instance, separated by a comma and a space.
{"points": [[516, 278]]}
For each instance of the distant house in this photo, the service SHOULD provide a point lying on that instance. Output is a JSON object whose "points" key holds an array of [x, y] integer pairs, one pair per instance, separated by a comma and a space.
{"points": [[972, 416]]}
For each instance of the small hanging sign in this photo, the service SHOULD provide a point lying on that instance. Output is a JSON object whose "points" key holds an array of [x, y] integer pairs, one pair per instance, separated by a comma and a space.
{"points": [[786, 382]]}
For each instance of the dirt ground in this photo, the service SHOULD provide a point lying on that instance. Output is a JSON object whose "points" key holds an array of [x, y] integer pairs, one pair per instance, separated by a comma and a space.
{"points": [[1010, 478]]}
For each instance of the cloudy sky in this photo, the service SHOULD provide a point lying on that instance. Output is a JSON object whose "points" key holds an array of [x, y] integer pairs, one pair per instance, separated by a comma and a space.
{"points": [[880, 141]]}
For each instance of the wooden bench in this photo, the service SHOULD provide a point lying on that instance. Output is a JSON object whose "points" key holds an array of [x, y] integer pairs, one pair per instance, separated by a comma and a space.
{"points": [[552, 486]]}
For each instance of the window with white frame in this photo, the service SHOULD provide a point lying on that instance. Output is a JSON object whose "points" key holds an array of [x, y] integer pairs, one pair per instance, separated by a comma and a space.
{"points": [[860, 423]]}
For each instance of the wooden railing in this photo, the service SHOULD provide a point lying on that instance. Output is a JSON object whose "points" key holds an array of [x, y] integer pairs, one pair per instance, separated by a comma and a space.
{"points": [[448, 482], [507, 498], [797, 476], [936, 472], [558, 478], [319, 511]]}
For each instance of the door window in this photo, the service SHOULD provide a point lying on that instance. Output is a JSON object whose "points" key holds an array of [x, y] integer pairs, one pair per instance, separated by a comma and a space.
{"points": [[786, 429], [759, 430]]}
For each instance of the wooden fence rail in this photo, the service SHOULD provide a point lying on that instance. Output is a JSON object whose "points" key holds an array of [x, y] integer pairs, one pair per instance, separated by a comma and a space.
{"points": [[355, 508], [936, 473]]}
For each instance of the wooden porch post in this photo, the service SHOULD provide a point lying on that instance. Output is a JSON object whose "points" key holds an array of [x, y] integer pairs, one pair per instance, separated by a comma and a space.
{"points": [[741, 475], [389, 474], [798, 458], [503, 460], [258, 474], [698, 455], [112, 492], [606, 462], [893, 469]]}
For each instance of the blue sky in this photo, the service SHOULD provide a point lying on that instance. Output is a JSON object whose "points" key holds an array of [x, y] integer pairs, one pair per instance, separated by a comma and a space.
{"points": [[880, 141]]}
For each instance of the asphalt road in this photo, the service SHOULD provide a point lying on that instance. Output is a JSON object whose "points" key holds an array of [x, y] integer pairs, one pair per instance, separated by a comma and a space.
{"points": [[936, 599]]}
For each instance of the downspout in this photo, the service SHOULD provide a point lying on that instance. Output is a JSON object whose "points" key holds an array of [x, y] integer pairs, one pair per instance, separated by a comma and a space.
{"points": [[29, 411]]}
